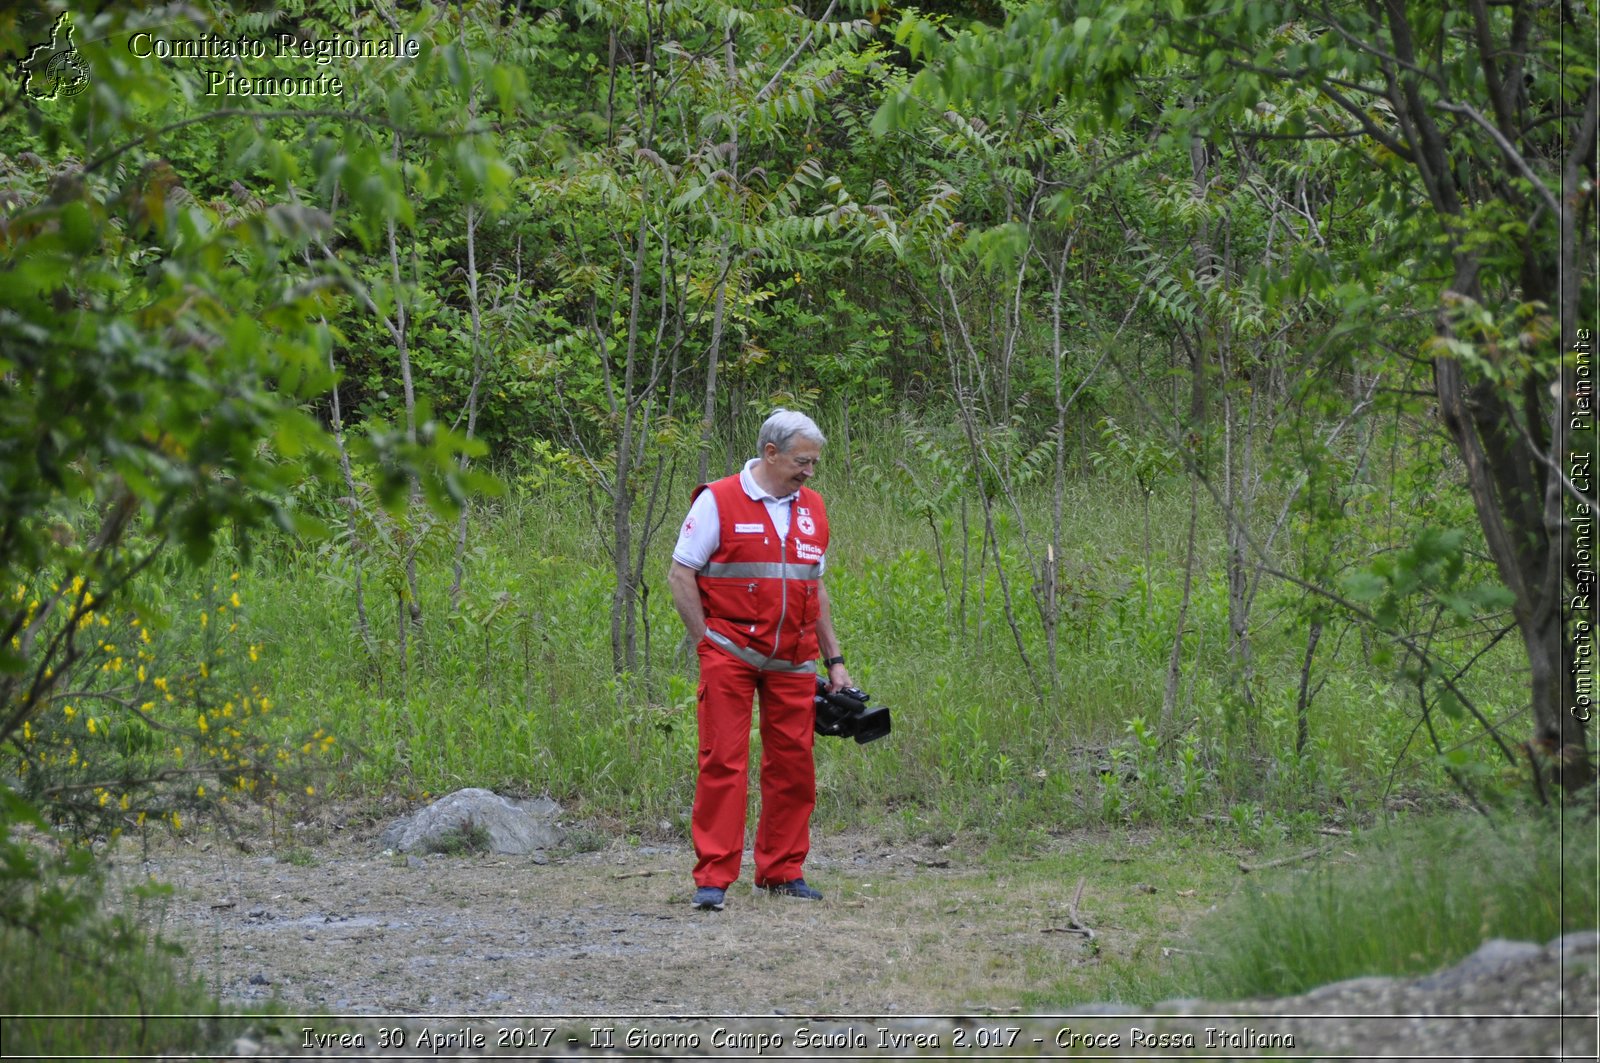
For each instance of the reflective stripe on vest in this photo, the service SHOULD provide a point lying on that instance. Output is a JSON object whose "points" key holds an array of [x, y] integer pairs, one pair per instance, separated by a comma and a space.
{"points": [[758, 660], [761, 570]]}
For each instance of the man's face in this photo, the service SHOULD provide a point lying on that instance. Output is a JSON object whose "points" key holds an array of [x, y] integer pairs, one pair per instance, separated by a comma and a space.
{"points": [[790, 469]]}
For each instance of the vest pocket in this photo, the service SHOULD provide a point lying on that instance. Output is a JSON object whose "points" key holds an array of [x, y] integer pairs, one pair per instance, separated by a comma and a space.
{"points": [[734, 601], [812, 608]]}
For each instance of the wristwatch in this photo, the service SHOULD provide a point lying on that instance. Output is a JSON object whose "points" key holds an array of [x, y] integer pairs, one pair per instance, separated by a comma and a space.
{"points": [[829, 662]]}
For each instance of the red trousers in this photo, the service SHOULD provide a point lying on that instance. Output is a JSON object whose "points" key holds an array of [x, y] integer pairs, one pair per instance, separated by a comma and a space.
{"points": [[788, 774]]}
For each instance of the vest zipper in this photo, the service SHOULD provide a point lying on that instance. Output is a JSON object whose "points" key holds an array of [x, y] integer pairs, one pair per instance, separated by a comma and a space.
{"points": [[783, 600]]}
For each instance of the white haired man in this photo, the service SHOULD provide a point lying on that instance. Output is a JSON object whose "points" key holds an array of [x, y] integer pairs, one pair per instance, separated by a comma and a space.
{"points": [[746, 578]]}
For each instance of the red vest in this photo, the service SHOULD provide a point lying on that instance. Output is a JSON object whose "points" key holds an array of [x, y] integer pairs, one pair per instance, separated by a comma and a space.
{"points": [[761, 594]]}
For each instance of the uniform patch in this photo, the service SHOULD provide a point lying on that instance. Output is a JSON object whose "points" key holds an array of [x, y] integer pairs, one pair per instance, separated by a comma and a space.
{"points": [[757, 528], [806, 524], [808, 551], [688, 526]]}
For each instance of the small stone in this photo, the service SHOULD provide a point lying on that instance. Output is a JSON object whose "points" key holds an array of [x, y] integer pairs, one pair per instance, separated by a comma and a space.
{"points": [[260, 979], [244, 1046], [416, 861]]}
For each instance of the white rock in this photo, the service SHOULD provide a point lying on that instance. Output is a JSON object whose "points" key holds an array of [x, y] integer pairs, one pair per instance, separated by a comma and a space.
{"points": [[512, 827]]}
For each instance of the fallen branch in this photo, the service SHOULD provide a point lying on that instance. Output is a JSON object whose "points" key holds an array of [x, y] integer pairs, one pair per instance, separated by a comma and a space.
{"points": [[646, 873], [1320, 850], [1074, 924]]}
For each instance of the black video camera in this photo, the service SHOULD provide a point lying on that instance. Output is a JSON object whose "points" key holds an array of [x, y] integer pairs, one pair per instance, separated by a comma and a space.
{"points": [[845, 714]]}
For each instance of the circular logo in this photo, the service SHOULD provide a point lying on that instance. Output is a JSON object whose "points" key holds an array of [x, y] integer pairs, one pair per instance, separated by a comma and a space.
{"points": [[68, 73], [807, 525]]}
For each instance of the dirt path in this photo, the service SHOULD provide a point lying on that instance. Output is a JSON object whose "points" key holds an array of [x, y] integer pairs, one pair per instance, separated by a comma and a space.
{"points": [[346, 928], [344, 933]]}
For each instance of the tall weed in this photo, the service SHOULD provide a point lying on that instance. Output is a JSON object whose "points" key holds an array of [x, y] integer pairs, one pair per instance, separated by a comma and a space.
{"points": [[1417, 897]]}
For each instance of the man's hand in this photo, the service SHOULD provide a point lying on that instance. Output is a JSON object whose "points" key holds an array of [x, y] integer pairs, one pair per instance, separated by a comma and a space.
{"points": [[686, 599], [838, 678]]}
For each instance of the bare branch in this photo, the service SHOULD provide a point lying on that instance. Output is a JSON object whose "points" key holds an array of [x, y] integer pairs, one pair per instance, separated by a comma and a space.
{"points": [[1507, 149]]}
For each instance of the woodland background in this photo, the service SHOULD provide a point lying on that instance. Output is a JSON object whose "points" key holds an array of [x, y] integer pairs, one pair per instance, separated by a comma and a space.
{"points": [[1199, 378]]}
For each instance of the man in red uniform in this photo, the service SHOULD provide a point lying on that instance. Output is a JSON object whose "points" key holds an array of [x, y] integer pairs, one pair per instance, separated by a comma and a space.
{"points": [[746, 578]]}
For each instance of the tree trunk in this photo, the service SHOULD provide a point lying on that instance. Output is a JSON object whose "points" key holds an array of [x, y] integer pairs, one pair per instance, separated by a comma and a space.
{"points": [[1302, 715], [1531, 562], [472, 399], [1169, 696]]}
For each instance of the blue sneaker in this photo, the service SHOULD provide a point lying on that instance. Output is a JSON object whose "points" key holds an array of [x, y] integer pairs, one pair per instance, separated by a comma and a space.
{"points": [[710, 899], [795, 888]]}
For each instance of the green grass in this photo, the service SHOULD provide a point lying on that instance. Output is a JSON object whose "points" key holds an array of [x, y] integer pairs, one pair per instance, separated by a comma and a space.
{"points": [[1416, 897], [515, 691]]}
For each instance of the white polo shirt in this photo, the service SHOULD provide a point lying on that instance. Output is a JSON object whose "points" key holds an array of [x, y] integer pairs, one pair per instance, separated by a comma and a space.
{"points": [[702, 530]]}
